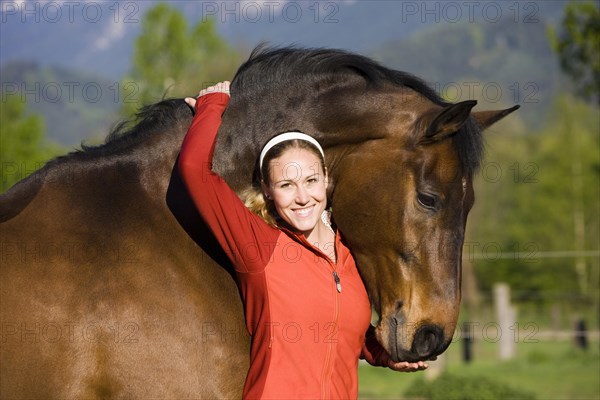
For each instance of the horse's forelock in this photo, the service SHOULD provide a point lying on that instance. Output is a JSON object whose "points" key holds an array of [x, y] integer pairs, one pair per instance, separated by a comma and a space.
{"points": [[470, 146]]}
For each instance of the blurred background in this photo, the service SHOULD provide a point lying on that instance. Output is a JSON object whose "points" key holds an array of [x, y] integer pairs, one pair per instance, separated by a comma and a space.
{"points": [[529, 325]]}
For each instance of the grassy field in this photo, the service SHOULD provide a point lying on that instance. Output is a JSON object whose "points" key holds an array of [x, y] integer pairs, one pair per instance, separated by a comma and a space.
{"points": [[551, 370]]}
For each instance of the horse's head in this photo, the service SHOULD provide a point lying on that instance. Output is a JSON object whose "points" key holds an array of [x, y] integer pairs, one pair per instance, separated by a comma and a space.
{"points": [[401, 199], [401, 163]]}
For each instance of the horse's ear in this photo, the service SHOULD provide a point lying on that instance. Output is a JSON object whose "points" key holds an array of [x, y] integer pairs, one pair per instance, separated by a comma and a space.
{"points": [[486, 118], [448, 121]]}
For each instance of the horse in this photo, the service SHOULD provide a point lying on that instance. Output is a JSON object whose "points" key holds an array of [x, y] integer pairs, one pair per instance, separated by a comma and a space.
{"points": [[112, 286]]}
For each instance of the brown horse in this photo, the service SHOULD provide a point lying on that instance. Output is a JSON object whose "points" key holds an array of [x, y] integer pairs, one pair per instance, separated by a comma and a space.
{"points": [[111, 285]]}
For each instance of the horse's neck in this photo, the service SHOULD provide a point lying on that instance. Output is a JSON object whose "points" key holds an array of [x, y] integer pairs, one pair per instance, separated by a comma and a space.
{"points": [[245, 128], [332, 116]]}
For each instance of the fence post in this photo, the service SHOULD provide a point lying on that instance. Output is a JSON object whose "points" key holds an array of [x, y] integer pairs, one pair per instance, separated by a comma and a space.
{"points": [[581, 340], [506, 317], [467, 339]]}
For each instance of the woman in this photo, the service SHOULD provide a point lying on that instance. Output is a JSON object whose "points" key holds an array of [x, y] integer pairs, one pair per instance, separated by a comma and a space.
{"points": [[305, 305]]}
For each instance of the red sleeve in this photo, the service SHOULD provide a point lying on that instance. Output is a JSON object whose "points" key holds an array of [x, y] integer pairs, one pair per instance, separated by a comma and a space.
{"points": [[245, 237]]}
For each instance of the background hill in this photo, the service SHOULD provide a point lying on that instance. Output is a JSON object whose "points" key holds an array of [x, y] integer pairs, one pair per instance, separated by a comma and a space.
{"points": [[495, 52], [76, 105], [499, 64], [98, 37]]}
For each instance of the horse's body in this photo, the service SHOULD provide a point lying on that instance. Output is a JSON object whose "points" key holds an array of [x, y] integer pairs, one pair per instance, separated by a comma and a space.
{"points": [[111, 286]]}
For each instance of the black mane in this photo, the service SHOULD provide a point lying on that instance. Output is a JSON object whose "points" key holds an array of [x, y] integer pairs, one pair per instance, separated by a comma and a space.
{"points": [[291, 64], [151, 119], [288, 64]]}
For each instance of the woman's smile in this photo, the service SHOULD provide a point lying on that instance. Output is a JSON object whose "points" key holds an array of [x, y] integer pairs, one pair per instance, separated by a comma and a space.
{"points": [[305, 211]]}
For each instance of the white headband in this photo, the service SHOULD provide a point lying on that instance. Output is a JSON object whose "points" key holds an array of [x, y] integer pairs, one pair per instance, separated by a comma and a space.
{"points": [[288, 136]]}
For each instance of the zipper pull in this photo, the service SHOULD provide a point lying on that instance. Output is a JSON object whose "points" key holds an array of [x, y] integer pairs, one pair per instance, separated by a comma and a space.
{"points": [[338, 285]]}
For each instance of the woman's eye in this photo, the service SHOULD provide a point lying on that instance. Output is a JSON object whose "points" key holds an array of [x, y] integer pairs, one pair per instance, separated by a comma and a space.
{"points": [[427, 200]]}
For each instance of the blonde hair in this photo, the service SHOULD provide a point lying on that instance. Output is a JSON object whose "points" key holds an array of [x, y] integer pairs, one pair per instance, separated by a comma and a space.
{"points": [[256, 202]]}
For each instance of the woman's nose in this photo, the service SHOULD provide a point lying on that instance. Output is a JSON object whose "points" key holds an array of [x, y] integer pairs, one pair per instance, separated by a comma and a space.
{"points": [[302, 196]]}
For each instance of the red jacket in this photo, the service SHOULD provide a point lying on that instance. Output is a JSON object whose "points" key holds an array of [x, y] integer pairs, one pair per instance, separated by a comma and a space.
{"points": [[306, 335]]}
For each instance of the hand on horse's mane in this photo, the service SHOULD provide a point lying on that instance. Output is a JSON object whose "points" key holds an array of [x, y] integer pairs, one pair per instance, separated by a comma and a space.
{"points": [[221, 87]]}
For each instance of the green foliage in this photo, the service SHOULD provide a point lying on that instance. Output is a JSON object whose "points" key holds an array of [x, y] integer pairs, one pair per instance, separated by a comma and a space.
{"points": [[550, 369], [453, 387], [171, 60], [578, 48], [528, 193], [23, 148]]}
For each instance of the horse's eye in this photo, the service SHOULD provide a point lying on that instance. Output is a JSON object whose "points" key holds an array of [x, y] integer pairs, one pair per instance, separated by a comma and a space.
{"points": [[428, 201]]}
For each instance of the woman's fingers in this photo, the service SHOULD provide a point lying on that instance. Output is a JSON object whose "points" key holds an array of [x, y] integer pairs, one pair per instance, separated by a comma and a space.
{"points": [[191, 102], [405, 366], [221, 87]]}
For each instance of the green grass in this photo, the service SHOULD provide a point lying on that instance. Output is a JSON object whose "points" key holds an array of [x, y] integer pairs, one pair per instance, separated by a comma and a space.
{"points": [[552, 370]]}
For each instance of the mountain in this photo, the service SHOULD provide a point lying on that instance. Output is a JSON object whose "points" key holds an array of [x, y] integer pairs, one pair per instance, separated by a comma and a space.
{"points": [[98, 37], [75, 105], [70, 56], [499, 64]]}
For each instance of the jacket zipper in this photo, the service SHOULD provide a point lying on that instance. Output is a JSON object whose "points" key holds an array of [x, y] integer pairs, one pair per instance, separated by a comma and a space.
{"points": [[328, 369], [338, 284]]}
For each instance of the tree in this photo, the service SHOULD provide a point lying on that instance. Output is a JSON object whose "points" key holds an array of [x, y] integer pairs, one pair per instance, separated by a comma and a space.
{"points": [[23, 148], [578, 48], [532, 190], [171, 60]]}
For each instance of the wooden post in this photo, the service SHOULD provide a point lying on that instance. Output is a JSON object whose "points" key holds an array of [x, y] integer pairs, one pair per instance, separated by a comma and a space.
{"points": [[581, 340], [467, 340], [506, 317]]}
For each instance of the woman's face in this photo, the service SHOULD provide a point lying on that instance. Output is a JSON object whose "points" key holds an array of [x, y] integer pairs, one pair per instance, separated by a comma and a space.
{"points": [[298, 188]]}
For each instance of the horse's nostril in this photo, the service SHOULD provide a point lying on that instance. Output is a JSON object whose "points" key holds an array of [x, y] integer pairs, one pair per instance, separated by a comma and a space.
{"points": [[428, 340]]}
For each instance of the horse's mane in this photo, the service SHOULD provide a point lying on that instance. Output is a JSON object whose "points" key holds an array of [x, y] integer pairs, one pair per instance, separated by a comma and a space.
{"points": [[277, 65], [149, 120], [290, 64], [285, 64]]}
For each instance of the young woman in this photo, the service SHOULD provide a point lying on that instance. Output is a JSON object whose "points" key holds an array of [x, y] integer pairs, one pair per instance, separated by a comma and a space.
{"points": [[305, 304]]}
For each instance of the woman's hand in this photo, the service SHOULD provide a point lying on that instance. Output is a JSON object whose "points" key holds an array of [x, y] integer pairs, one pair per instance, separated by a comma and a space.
{"points": [[221, 87], [406, 366]]}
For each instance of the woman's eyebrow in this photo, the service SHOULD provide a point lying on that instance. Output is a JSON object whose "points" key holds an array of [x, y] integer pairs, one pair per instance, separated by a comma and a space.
{"points": [[284, 180]]}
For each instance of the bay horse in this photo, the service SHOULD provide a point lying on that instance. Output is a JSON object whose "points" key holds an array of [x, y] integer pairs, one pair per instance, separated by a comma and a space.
{"points": [[111, 286]]}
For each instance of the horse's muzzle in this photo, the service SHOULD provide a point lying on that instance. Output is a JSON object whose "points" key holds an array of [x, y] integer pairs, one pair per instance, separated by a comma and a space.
{"points": [[427, 343]]}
